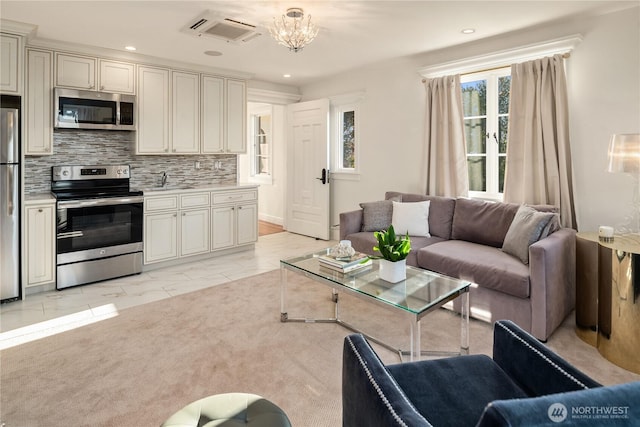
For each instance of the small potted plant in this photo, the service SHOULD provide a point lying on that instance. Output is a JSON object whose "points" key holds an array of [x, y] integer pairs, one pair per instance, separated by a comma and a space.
{"points": [[393, 254]]}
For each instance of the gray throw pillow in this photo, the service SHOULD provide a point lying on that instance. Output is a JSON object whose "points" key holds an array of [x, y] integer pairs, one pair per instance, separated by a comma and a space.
{"points": [[525, 229], [377, 216]]}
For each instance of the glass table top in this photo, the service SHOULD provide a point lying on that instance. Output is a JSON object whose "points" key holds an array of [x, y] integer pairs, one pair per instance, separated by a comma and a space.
{"points": [[421, 290]]}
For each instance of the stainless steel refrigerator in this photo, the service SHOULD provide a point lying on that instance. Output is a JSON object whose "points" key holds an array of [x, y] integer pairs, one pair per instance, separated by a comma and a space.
{"points": [[10, 286]]}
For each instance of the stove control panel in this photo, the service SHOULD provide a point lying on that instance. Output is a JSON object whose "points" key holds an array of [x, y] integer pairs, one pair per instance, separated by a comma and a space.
{"points": [[78, 173]]}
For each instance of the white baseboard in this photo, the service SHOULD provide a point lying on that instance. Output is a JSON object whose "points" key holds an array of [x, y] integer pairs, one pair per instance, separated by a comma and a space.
{"points": [[269, 218]]}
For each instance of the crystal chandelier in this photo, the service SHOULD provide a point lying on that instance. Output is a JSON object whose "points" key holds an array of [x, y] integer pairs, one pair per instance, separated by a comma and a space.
{"points": [[293, 31]]}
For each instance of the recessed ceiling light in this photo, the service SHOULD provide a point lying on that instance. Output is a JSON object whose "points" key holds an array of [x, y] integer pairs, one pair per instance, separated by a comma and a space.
{"points": [[286, 76], [131, 48], [468, 31], [213, 53]]}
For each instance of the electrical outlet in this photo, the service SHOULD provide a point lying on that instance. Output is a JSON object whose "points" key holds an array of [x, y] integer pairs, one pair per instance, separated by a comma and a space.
{"points": [[196, 164]]}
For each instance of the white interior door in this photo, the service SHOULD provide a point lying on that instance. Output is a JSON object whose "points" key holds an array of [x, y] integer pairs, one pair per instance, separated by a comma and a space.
{"points": [[308, 210]]}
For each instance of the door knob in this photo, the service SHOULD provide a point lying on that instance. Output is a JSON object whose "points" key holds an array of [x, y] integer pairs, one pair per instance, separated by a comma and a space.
{"points": [[323, 178]]}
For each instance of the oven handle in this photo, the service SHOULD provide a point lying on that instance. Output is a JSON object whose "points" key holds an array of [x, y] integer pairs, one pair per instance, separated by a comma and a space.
{"points": [[70, 234], [71, 204]]}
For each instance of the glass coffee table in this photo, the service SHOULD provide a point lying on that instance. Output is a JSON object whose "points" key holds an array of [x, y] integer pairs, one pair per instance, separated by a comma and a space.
{"points": [[422, 292]]}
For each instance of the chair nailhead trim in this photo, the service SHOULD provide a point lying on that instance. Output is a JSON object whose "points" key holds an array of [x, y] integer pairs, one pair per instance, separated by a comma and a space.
{"points": [[545, 358], [379, 390]]}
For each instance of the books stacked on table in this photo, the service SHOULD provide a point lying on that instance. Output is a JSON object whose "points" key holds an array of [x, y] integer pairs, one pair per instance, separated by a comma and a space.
{"points": [[345, 265]]}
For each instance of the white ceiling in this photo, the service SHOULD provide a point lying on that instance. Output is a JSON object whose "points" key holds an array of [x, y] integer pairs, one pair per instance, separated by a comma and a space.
{"points": [[352, 33]]}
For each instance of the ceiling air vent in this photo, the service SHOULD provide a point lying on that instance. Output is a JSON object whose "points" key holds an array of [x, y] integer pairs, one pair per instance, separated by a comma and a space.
{"points": [[230, 30]]}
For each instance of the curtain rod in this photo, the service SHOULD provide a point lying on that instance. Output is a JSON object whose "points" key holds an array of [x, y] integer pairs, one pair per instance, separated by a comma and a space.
{"points": [[564, 56]]}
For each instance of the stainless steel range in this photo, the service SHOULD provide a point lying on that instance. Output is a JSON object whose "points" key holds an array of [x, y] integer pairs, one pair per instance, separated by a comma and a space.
{"points": [[99, 224]]}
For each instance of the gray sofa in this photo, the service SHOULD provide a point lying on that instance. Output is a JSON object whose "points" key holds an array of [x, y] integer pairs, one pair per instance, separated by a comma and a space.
{"points": [[466, 239]]}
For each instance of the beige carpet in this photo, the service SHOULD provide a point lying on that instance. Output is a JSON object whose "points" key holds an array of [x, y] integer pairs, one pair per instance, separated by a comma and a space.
{"points": [[138, 368]]}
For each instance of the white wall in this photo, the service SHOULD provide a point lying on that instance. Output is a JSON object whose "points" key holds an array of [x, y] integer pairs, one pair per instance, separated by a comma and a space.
{"points": [[604, 98]]}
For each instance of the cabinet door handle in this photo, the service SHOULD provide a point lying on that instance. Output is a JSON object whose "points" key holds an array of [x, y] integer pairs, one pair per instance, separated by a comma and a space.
{"points": [[184, 214], [40, 210]]}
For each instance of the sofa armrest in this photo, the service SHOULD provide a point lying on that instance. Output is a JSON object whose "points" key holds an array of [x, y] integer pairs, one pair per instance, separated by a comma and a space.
{"points": [[552, 272], [350, 222], [615, 405], [370, 395], [536, 369]]}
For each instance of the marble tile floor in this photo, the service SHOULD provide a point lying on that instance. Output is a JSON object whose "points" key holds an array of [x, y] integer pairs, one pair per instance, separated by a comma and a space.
{"points": [[88, 303]]}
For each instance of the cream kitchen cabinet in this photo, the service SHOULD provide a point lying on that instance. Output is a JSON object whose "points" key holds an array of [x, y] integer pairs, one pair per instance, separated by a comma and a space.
{"points": [[212, 114], [236, 116], [76, 71], [153, 129], [40, 243], [117, 77], [185, 107], [234, 219], [194, 232], [224, 108], [10, 63], [160, 228], [168, 124], [82, 72], [39, 114], [160, 236], [194, 223], [176, 226]]}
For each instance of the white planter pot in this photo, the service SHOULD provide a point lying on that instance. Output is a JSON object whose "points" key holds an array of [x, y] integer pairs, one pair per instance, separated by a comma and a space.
{"points": [[393, 272]]}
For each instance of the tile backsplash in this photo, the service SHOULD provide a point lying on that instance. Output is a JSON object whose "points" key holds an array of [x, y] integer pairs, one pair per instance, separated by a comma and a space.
{"points": [[100, 147]]}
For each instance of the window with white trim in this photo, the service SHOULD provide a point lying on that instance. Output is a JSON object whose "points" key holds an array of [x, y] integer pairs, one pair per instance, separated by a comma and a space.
{"points": [[485, 100], [260, 147], [345, 136]]}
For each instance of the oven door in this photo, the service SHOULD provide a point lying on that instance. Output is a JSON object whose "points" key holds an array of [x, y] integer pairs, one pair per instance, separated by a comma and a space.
{"points": [[91, 228]]}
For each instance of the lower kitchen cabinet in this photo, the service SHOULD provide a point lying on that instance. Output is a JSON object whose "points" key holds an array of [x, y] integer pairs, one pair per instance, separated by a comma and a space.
{"points": [[194, 232], [40, 244], [181, 224], [234, 224], [247, 223], [160, 236]]}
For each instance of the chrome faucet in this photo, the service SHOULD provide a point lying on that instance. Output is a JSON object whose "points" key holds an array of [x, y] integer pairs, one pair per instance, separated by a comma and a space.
{"points": [[164, 179]]}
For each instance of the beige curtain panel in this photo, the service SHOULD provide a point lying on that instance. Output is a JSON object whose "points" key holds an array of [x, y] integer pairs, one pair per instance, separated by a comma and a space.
{"points": [[538, 167], [446, 154]]}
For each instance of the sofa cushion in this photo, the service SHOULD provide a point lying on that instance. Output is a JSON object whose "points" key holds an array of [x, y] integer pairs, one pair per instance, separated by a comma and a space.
{"points": [[411, 218], [377, 215], [483, 222], [526, 228], [487, 266], [478, 381], [440, 211]]}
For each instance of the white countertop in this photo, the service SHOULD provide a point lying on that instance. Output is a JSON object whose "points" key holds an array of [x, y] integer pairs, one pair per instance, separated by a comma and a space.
{"points": [[38, 198], [156, 191]]}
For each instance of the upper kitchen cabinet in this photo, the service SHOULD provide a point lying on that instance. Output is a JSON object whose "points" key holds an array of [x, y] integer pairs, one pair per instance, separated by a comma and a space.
{"points": [[236, 117], [81, 72], [224, 106], [153, 136], [76, 71], [117, 77], [39, 115], [185, 125], [212, 114], [207, 113], [10, 63]]}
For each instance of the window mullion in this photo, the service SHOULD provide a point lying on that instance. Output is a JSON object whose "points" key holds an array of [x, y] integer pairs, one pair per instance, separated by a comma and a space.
{"points": [[492, 129]]}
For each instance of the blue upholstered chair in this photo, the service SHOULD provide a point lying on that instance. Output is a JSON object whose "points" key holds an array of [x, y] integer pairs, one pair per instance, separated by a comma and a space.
{"points": [[524, 384]]}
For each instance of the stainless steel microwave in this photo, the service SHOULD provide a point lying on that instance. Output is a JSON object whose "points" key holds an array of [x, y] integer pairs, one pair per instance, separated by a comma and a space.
{"points": [[84, 109]]}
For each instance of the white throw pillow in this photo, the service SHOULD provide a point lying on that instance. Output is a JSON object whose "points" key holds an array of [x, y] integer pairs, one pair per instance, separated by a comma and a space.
{"points": [[411, 217]]}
